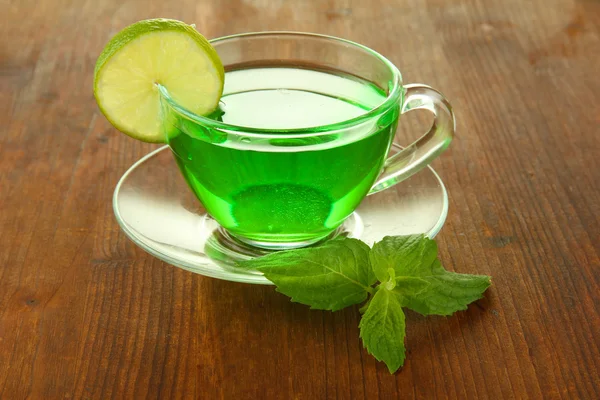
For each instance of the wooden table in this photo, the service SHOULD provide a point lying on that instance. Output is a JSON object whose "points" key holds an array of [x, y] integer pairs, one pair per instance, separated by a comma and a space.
{"points": [[86, 314]]}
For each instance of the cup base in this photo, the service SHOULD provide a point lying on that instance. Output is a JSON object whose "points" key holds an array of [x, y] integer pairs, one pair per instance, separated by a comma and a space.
{"points": [[227, 249], [280, 245]]}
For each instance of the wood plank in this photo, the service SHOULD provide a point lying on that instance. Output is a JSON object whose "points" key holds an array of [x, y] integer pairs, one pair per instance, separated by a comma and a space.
{"points": [[86, 314]]}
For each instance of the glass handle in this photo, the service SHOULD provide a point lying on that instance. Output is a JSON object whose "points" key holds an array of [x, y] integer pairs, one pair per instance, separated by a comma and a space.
{"points": [[415, 157]]}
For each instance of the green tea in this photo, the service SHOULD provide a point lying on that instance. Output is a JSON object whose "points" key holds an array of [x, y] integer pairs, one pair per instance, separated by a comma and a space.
{"points": [[269, 188]]}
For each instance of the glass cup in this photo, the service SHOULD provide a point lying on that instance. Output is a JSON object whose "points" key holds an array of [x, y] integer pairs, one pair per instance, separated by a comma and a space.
{"points": [[302, 136]]}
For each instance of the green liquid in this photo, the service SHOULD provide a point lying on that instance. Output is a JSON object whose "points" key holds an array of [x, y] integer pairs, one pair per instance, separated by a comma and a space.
{"points": [[285, 190]]}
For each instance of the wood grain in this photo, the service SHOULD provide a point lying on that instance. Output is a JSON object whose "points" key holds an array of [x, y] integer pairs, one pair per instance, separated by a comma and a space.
{"points": [[84, 314]]}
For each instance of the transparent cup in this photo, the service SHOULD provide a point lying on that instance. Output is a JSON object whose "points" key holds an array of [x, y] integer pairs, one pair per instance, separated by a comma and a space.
{"points": [[292, 177]]}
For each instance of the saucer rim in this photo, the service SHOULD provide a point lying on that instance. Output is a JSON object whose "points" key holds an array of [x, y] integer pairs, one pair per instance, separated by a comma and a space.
{"points": [[252, 278]]}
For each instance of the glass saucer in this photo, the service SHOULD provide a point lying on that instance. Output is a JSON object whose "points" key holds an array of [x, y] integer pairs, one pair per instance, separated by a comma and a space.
{"points": [[160, 214]]}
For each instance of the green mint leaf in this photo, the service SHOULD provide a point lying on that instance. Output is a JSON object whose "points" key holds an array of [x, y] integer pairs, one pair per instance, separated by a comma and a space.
{"points": [[382, 328], [401, 253], [446, 293], [425, 286], [411, 284], [361, 252], [329, 277]]}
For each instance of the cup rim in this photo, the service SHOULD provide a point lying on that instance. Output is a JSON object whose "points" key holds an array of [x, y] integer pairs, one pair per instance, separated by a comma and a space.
{"points": [[293, 133]]}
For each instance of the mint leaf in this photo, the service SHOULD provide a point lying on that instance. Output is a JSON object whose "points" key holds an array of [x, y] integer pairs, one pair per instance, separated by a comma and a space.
{"points": [[446, 293], [401, 253], [382, 328], [360, 248], [328, 277], [425, 286], [410, 284]]}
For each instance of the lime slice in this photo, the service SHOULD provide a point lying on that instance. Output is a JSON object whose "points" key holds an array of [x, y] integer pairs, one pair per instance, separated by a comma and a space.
{"points": [[150, 53]]}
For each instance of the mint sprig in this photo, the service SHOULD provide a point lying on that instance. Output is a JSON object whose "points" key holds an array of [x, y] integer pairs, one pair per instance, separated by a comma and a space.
{"points": [[399, 271]]}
